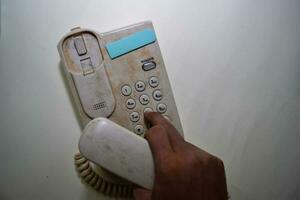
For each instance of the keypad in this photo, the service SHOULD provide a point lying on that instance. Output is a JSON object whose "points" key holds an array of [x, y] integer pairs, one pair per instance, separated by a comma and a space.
{"points": [[147, 97]]}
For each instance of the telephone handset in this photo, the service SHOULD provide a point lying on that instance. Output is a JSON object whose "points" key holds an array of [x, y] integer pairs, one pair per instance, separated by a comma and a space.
{"points": [[117, 75]]}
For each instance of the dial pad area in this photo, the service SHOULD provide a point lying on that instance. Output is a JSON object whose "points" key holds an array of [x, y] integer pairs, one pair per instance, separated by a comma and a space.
{"points": [[140, 97]]}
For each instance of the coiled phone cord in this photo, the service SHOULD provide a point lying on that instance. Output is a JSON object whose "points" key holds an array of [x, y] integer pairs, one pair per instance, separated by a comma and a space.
{"points": [[98, 182]]}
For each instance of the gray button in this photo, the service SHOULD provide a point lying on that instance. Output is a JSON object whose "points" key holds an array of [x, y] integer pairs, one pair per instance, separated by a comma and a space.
{"points": [[140, 86], [126, 90], [157, 95], [161, 108], [153, 81], [149, 65], [130, 103], [148, 110], [134, 116], [139, 129], [80, 45], [144, 99]]}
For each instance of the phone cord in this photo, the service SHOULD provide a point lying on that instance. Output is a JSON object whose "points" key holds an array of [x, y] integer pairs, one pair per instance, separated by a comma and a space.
{"points": [[92, 178]]}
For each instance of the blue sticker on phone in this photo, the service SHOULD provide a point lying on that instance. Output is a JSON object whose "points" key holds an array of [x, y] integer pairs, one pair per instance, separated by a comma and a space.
{"points": [[130, 43]]}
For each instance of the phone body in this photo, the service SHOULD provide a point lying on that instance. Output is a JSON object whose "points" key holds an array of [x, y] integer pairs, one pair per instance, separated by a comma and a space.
{"points": [[119, 75]]}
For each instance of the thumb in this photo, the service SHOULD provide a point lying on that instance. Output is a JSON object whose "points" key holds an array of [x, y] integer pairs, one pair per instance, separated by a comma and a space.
{"points": [[141, 194]]}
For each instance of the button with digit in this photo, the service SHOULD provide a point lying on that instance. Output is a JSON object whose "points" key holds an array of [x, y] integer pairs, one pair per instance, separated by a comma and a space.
{"points": [[148, 110], [134, 116], [167, 118], [139, 129], [153, 81], [126, 90], [140, 86], [130, 103], [161, 108], [157, 95], [144, 99]]}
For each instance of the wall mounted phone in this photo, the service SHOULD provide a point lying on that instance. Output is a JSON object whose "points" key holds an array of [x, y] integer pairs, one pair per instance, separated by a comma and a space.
{"points": [[117, 75]]}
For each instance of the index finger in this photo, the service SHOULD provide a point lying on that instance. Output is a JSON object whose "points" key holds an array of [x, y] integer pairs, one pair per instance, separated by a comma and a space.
{"points": [[155, 118]]}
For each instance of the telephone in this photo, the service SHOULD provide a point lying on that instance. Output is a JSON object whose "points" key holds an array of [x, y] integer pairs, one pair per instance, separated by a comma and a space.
{"points": [[118, 75]]}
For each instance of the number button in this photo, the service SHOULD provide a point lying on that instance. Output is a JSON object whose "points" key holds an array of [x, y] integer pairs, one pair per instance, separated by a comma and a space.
{"points": [[148, 110], [144, 99], [126, 90], [139, 129], [130, 103], [161, 108], [153, 81], [167, 118], [140, 86], [157, 95], [134, 116]]}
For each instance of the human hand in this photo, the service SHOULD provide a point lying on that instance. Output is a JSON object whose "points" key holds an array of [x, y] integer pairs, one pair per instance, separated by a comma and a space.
{"points": [[182, 170]]}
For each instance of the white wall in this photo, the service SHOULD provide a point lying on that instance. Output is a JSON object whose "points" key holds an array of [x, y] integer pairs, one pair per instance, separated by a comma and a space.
{"points": [[234, 66]]}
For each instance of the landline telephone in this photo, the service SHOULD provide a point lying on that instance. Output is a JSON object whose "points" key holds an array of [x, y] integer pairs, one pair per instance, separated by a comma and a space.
{"points": [[115, 77]]}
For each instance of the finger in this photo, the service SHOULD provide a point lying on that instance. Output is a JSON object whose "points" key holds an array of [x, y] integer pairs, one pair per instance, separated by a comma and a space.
{"points": [[159, 143], [141, 194], [155, 118]]}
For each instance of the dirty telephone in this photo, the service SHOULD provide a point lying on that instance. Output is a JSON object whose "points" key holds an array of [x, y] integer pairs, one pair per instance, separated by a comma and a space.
{"points": [[118, 75]]}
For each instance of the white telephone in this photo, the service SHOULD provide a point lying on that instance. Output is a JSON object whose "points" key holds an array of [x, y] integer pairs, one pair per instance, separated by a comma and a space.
{"points": [[117, 75]]}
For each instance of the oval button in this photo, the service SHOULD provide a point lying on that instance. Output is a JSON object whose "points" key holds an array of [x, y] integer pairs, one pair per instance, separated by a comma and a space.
{"points": [[148, 110], [134, 116], [126, 90], [161, 108], [149, 65], [130, 103], [157, 95], [140, 86], [139, 129], [153, 81], [144, 99]]}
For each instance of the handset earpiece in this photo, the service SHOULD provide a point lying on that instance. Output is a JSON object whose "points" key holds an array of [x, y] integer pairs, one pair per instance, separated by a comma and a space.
{"points": [[81, 54]]}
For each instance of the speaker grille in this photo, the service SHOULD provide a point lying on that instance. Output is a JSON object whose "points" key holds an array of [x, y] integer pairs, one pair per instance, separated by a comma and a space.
{"points": [[98, 106]]}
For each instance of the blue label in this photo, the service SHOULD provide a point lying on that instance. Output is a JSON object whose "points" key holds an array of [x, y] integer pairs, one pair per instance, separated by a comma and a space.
{"points": [[130, 43]]}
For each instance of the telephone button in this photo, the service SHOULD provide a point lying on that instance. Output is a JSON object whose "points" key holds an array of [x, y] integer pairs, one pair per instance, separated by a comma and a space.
{"points": [[139, 129], [144, 99], [130, 103], [153, 81], [140, 86], [161, 108], [149, 65], [167, 118], [148, 110], [126, 90], [157, 95], [80, 45], [134, 116]]}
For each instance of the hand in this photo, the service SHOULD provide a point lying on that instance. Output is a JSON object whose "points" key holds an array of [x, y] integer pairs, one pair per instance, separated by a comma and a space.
{"points": [[182, 171]]}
